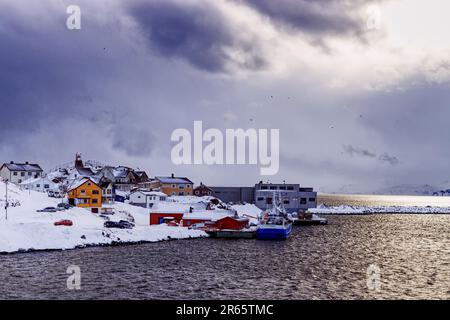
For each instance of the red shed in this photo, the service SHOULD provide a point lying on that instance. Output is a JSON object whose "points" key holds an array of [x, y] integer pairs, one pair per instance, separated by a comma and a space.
{"points": [[231, 223], [158, 217]]}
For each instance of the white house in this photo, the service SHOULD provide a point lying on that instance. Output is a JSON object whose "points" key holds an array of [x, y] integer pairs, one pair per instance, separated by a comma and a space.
{"points": [[147, 199], [41, 184], [19, 172]]}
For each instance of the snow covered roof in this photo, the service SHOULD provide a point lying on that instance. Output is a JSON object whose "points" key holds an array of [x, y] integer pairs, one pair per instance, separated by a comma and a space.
{"points": [[80, 183], [173, 180], [150, 193], [208, 214], [31, 167]]}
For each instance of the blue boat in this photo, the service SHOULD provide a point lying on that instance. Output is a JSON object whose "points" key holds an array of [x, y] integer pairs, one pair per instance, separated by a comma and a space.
{"points": [[274, 224]]}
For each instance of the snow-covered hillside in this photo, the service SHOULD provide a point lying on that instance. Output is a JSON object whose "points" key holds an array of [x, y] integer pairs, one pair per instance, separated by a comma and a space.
{"points": [[27, 229]]}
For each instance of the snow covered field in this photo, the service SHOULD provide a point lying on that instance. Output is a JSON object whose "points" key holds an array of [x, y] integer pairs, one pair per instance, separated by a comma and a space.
{"points": [[347, 209], [27, 229]]}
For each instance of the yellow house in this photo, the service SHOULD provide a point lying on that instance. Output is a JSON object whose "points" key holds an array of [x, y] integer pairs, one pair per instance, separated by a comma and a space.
{"points": [[86, 194], [176, 186]]}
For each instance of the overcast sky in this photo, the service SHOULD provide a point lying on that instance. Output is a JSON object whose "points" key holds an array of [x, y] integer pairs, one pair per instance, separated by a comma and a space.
{"points": [[359, 89]]}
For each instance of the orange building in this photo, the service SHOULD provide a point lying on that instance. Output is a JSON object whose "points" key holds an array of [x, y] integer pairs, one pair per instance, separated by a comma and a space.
{"points": [[86, 194], [176, 186]]}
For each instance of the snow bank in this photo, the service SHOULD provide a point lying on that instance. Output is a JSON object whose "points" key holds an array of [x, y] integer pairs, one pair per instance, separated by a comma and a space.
{"points": [[27, 229], [348, 209]]}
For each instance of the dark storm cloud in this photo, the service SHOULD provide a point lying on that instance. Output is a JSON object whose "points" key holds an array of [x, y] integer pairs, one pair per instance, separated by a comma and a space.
{"points": [[198, 33], [56, 80], [392, 160], [317, 17], [355, 151]]}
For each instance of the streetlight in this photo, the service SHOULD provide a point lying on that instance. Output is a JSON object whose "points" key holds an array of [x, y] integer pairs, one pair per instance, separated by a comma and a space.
{"points": [[6, 199]]}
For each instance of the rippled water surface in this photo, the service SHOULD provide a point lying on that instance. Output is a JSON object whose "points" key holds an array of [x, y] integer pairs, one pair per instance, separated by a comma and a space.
{"points": [[322, 262], [383, 200]]}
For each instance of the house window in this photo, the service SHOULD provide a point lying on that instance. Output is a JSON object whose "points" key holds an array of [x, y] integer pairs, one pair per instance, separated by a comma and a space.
{"points": [[312, 199], [282, 187], [197, 193], [263, 187], [22, 174], [260, 199], [273, 187], [290, 188], [269, 200], [286, 201], [303, 201], [94, 201], [174, 186], [209, 193], [89, 184], [29, 174], [94, 191], [82, 191], [181, 193], [188, 186], [181, 186], [139, 197], [38, 186], [15, 173], [46, 186], [108, 191], [20, 181]]}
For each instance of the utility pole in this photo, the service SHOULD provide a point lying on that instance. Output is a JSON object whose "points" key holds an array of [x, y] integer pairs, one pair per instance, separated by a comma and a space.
{"points": [[7, 203]]}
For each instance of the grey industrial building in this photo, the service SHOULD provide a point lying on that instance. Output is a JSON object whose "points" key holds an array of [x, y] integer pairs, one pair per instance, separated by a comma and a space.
{"points": [[295, 198]]}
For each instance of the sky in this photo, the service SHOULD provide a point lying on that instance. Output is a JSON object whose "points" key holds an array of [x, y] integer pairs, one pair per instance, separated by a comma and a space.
{"points": [[359, 90]]}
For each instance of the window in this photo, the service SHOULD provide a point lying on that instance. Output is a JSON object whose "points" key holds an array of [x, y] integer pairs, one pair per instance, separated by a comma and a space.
{"points": [[46, 186], [22, 174], [263, 187], [290, 188], [303, 201], [20, 181], [286, 201], [188, 186], [15, 173], [82, 191], [181, 186], [29, 174], [312, 199], [197, 193], [273, 187], [282, 187], [260, 199], [174, 186], [108, 191], [38, 186], [94, 191], [181, 193], [209, 193], [269, 200], [89, 184], [94, 200], [139, 197]]}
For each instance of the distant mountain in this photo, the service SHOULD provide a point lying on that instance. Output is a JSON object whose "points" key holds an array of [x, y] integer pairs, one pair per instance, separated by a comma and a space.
{"points": [[409, 189]]}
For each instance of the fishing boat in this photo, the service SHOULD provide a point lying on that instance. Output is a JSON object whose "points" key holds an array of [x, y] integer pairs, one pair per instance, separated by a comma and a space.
{"points": [[274, 224], [307, 219]]}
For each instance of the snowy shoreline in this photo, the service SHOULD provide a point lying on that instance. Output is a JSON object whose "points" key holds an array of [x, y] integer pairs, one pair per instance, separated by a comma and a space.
{"points": [[27, 230], [369, 210]]}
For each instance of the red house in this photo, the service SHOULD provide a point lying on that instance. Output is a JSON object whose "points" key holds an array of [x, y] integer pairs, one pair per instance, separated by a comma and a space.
{"points": [[158, 217], [231, 223]]}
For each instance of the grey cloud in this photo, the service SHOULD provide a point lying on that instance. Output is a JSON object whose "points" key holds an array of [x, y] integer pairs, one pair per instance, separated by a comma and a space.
{"points": [[198, 33], [355, 151], [316, 17]]}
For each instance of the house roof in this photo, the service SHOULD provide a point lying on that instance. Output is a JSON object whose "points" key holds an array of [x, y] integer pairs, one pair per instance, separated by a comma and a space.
{"points": [[174, 180], [31, 167], [81, 182], [150, 193], [85, 171]]}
